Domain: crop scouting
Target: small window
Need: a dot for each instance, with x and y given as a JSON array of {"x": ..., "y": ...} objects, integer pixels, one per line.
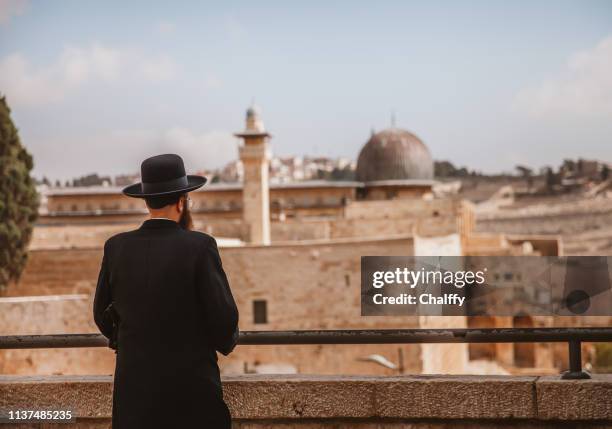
[{"x": 260, "y": 311}]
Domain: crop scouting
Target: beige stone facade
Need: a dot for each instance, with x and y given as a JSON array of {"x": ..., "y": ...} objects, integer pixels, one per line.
[
  {"x": 315, "y": 287},
  {"x": 292, "y": 254}
]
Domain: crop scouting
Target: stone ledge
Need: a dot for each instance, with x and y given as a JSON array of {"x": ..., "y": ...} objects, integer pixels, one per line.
[
  {"x": 456, "y": 397},
  {"x": 587, "y": 400},
  {"x": 269, "y": 397},
  {"x": 279, "y": 397},
  {"x": 87, "y": 396}
]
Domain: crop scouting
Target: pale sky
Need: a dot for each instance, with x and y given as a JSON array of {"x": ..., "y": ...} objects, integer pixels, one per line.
[{"x": 99, "y": 86}]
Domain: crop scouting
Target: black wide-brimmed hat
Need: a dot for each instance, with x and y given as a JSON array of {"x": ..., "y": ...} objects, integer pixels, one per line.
[{"x": 163, "y": 175}]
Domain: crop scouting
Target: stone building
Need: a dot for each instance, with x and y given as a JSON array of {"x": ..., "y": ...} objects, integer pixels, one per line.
[{"x": 292, "y": 254}]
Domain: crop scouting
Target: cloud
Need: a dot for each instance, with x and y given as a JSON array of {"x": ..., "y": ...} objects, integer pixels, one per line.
[
  {"x": 212, "y": 81},
  {"x": 76, "y": 65},
  {"x": 121, "y": 151},
  {"x": 584, "y": 87},
  {"x": 25, "y": 86},
  {"x": 159, "y": 69},
  {"x": 205, "y": 150},
  {"x": 29, "y": 85},
  {"x": 166, "y": 27},
  {"x": 12, "y": 8},
  {"x": 234, "y": 29},
  {"x": 200, "y": 149}
]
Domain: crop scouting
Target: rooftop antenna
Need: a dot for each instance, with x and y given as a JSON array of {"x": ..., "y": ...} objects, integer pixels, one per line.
[{"x": 392, "y": 118}]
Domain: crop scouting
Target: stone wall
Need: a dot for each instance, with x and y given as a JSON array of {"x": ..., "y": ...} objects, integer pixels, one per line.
[
  {"x": 328, "y": 270},
  {"x": 402, "y": 208},
  {"x": 584, "y": 225},
  {"x": 52, "y": 236},
  {"x": 58, "y": 272},
  {"x": 319, "y": 215},
  {"x": 53, "y": 314},
  {"x": 213, "y": 199},
  {"x": 360, "y": 219},
  {"x": 313, "y": 402}
]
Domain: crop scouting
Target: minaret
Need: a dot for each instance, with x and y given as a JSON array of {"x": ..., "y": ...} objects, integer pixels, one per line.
[{"x": 254, "y": 154}]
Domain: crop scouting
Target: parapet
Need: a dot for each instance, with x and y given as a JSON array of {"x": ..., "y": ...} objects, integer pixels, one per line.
[{"x": 303, "y": 401}]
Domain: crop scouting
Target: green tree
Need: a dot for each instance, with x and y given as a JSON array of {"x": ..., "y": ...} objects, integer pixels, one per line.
[{"x": 18, "y": 199}]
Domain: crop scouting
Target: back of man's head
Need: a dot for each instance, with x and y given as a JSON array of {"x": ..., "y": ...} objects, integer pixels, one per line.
[{"x": 161, "y": 201}]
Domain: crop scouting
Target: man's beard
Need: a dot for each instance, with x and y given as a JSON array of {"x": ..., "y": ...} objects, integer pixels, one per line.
[{"x": 185, "y": 221}]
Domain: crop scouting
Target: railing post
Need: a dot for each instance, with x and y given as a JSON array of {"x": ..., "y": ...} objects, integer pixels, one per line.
[{"x": 575, "y": 363}]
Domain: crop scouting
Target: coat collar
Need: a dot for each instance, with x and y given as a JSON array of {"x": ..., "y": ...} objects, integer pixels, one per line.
[{"x": 159, "y": 223}]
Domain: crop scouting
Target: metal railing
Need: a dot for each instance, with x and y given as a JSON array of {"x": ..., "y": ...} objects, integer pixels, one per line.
[{"x": 572, "y": 336}]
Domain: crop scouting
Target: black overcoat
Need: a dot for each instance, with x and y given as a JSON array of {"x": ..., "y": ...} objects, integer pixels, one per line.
[{"x": 175, "y": 310}]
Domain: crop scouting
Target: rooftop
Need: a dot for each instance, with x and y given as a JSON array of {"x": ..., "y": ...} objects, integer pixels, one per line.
[{"x": 218, "y": 187}]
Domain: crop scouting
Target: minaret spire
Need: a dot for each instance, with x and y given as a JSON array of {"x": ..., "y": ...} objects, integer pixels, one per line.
[{"x": 255, "y": 189}]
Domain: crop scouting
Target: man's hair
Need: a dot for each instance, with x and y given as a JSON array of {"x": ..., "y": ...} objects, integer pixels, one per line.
[{"x": 160, "y": 201}]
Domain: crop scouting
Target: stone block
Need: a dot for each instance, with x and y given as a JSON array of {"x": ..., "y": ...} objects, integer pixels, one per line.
[
  {"x": 576, "y": 399},
  {"x": 456, "y": 397},
  {"x": 279, "y": 397}
]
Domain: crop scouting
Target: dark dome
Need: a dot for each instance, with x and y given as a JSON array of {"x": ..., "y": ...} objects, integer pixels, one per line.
[{"x": 394, "y": 154}]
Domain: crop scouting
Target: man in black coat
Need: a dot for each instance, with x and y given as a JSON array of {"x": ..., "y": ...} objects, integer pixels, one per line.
[{"x": 164, "y": 302}]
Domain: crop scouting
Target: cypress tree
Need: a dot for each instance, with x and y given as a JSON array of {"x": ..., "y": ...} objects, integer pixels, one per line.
[{"x": 18, "y": 200}]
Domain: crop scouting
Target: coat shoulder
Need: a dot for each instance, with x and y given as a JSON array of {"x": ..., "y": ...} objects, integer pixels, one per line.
[
  {"x": 115, "y": 239},
  {"x": 200, "y": 238}
]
